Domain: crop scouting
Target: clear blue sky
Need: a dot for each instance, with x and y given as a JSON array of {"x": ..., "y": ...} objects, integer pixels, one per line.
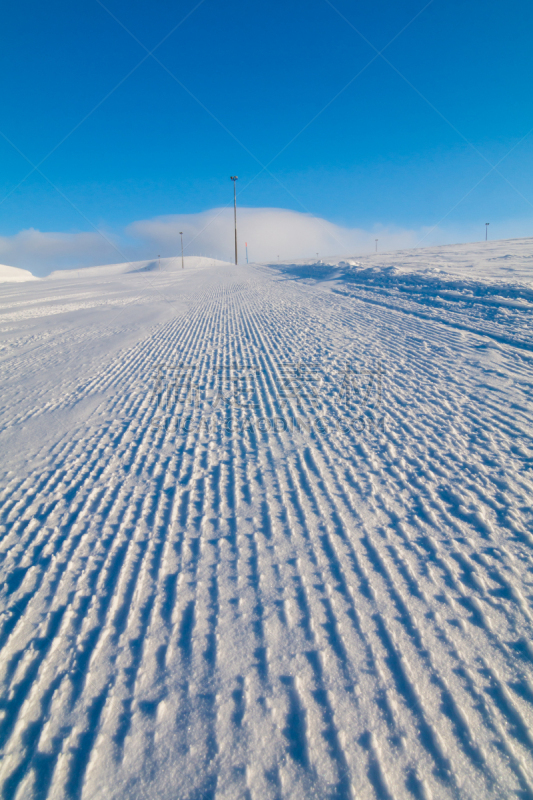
[{"x": 379, "y": 153}]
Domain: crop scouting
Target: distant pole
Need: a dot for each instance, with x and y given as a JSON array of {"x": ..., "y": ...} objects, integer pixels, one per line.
[
  {"x": 376, "y": 245},
  {"x": 246, "y": 245},
  {"x": 235, "y": 178},
  {"x": 181, "y": 234},
  {"x": 486, "y": 230},
  {"x": 159, "y": 257}
]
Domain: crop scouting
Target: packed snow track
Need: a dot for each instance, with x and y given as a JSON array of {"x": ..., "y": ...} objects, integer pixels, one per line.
[{"x": 265, "y": 536}]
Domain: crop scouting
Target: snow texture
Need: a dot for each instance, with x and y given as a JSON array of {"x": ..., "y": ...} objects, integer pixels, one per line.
[{"x": 266, "y": 531}]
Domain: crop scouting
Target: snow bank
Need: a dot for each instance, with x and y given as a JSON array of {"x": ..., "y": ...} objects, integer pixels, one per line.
[
  {"x": 15, "y": 275},
  {"x": 504, "y": 260}
]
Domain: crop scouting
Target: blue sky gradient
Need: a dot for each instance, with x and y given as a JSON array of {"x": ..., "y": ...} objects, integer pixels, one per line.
[{"x": 378, "y": 154}]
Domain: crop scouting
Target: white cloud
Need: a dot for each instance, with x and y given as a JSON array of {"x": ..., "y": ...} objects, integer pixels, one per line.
[
  {"x": 270, "y": 232},
  {"x": 43, "y": 252}
]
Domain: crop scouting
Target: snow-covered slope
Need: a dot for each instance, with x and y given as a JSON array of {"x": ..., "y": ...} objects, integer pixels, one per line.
[
  {"x": 483, "y": 288},
  {"x": 267, "y": 533},
  {"x": 158, "y": 265},
  {"x": 504, "y": 260},
  {"x": 15, "y": 275}
]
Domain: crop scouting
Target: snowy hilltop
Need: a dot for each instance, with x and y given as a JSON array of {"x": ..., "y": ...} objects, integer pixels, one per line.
[
  {"x": 15, "y": 275},
  {"x": 155, "y": 265}
]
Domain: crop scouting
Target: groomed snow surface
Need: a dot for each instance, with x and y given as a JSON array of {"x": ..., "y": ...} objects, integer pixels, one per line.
[{"x": 266, "y": 531}]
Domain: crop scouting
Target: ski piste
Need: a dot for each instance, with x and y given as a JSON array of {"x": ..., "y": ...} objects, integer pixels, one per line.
[{"x": 266, "y": 531}]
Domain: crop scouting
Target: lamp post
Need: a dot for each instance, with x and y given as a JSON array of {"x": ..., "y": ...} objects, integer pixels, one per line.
[
  {"x": 376, "y": 245},
  {"x": 181, "y": 234},
  {"x": 486, "y": 230},
  {"x": 235, "y": 178}
]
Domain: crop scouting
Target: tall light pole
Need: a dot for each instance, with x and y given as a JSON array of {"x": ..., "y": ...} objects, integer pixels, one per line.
[
  {"x": 486, "y": 230},
  {"x": 235, "y": 178},
  {"x": 376, "y": 245},
  {"x": 246, "y": 245},
  {"x": 181, "y": 234}
]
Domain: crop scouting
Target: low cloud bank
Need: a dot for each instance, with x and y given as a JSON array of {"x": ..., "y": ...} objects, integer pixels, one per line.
[
  {"x": 42, "y": 252},
  {"x": 270, "y": 232}
]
